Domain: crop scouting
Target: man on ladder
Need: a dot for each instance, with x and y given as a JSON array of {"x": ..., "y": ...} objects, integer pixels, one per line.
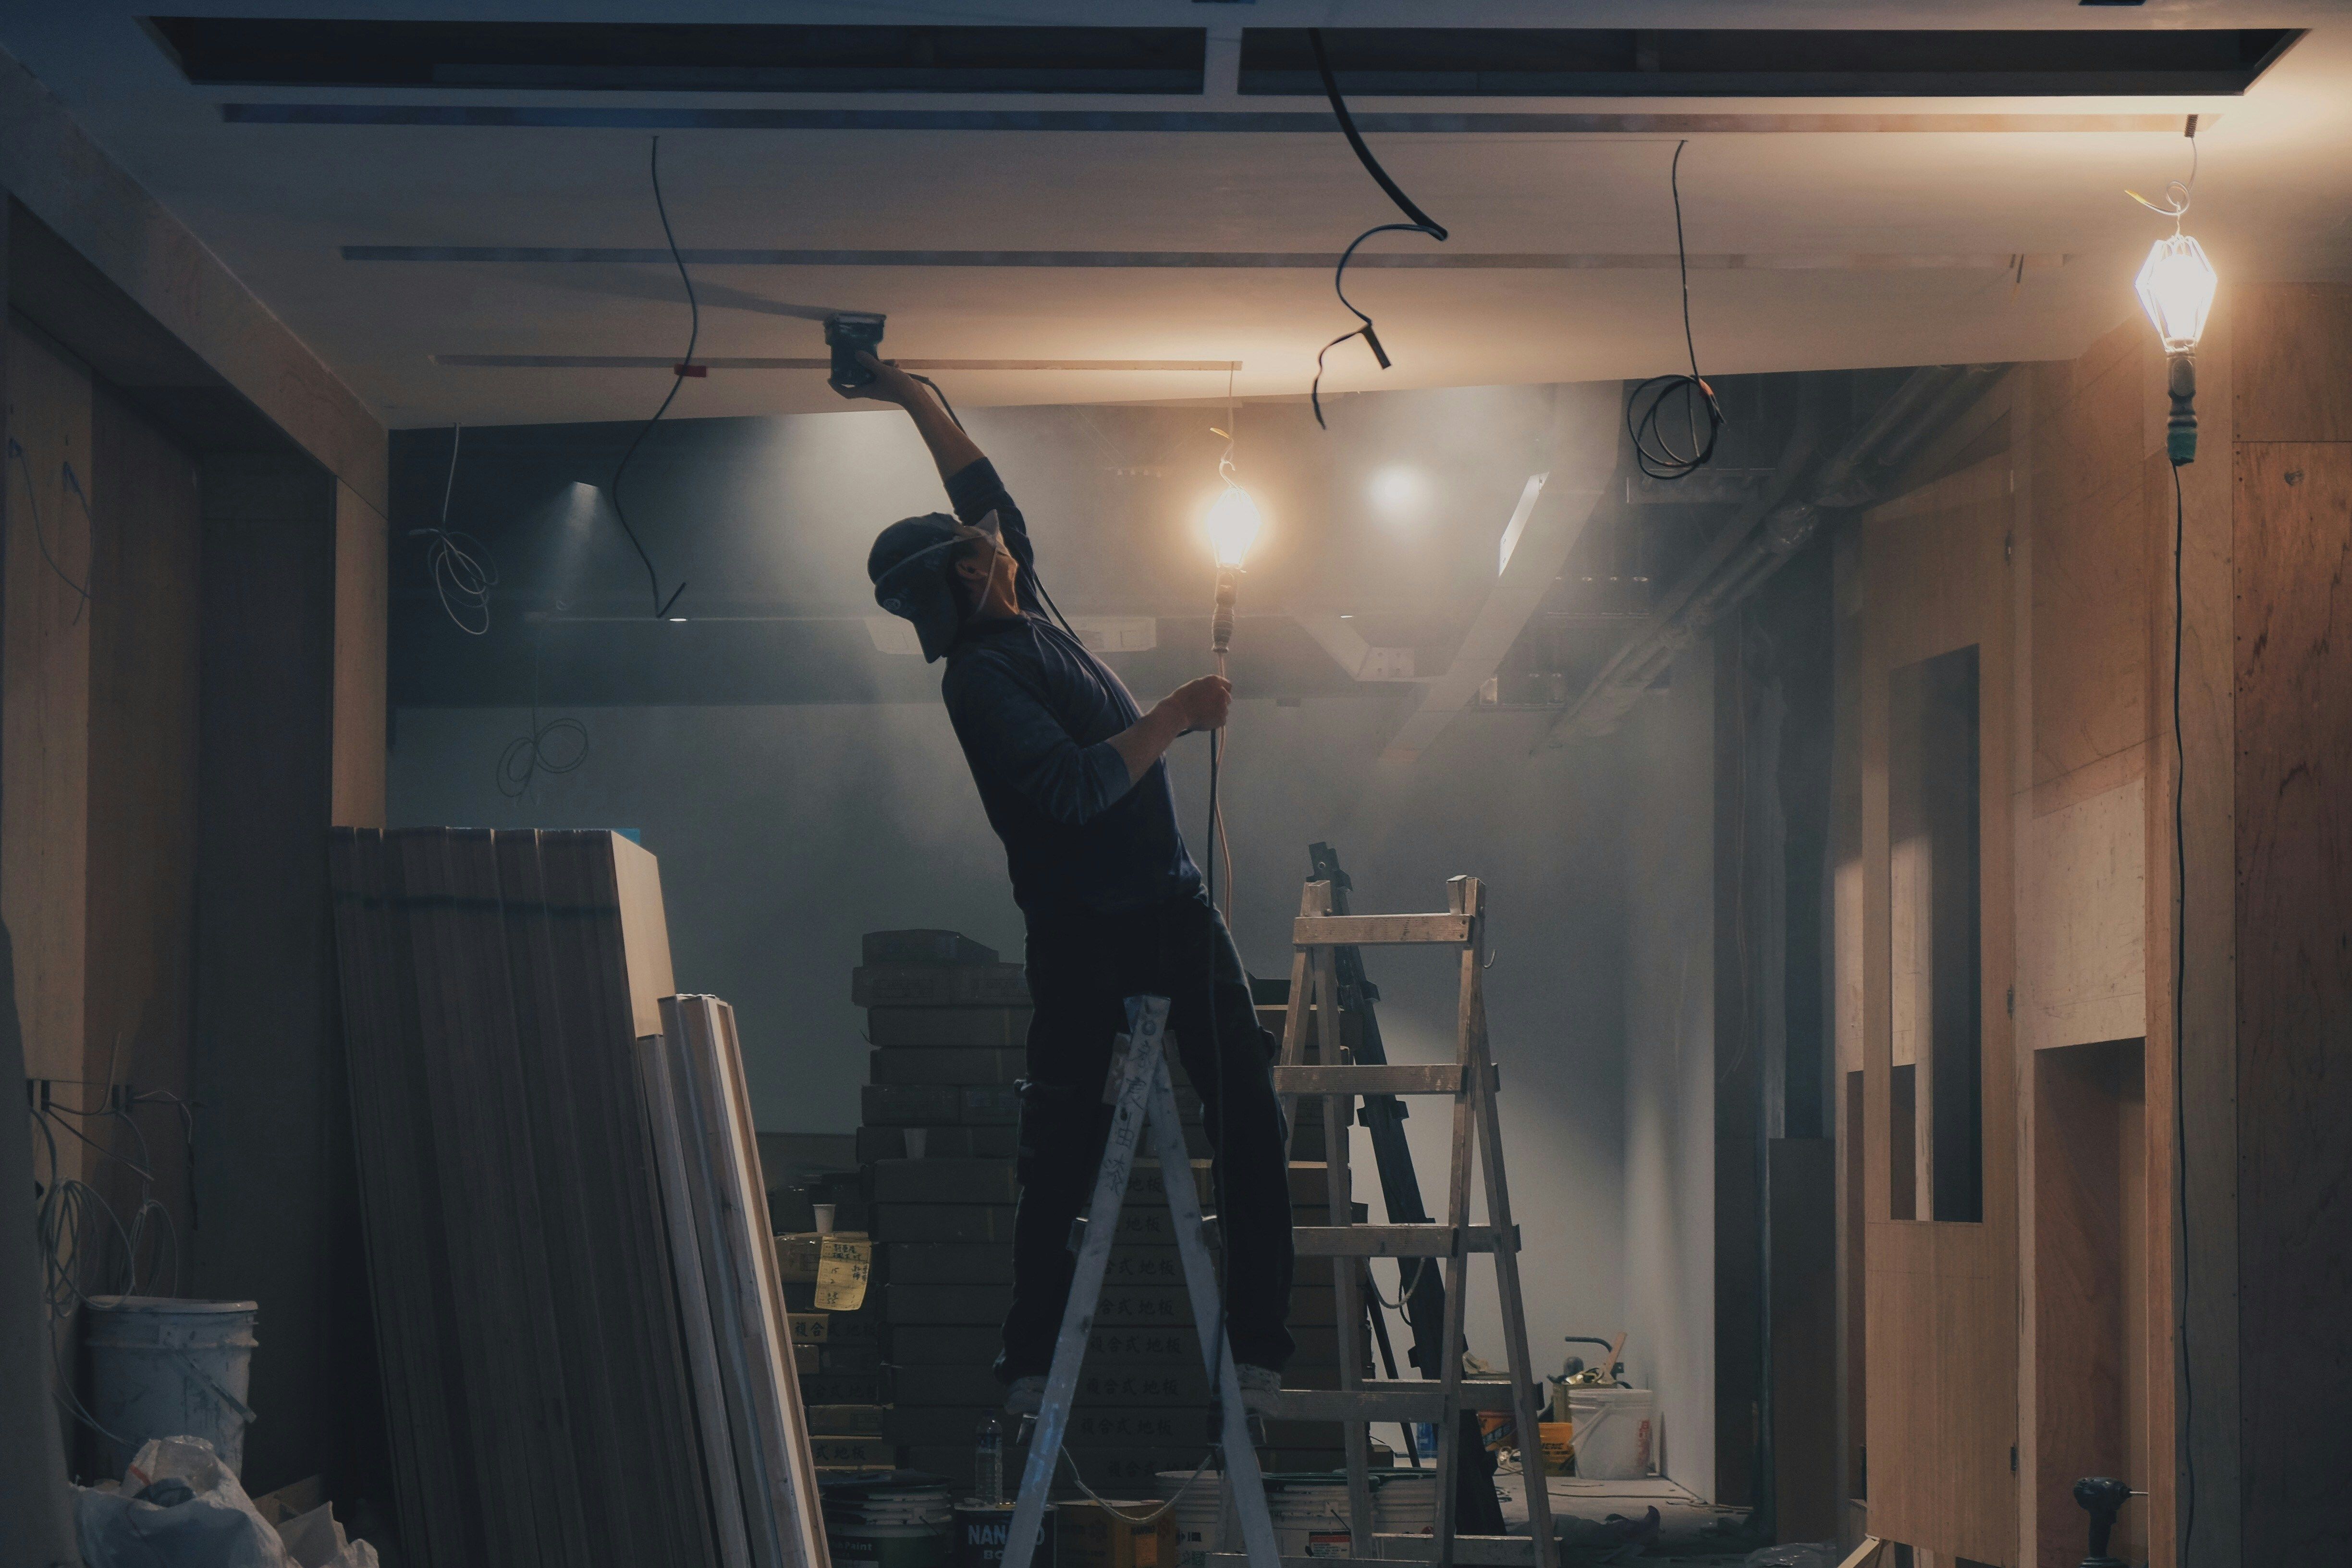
[{"x": 1071, "y": 772}]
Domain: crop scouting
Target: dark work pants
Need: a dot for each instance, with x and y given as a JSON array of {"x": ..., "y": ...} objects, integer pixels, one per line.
[{"x": 1081, "y": 972}]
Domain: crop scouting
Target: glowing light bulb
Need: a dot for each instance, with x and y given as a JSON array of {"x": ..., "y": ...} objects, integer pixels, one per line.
[
  {"x": 2176, "y": 287},
  {"x": 1234, "y": 522}
]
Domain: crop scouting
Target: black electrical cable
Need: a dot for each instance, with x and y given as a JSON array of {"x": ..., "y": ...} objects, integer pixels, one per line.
[
  {"x": 2180, "y": 1016},
  {"x": 1653, "y": 450},
  {"x": 463, "y": 570},
  {"x": 677, "y": 379},
  {"x": 1421, "y": 223},
  {"x": 1217, "y": 1347},
  {"x": 526, "y": 756},
  {"x": 1421, "y": 219}
]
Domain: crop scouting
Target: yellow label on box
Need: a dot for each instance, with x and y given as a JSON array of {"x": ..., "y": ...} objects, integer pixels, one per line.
[
  {"x": 842, "y": 1269},
  {"x": 810, "y": 1328}
]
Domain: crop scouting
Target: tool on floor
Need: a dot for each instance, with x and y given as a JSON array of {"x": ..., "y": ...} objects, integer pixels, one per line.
[
  {"x": 1471, "y": 1081},
  {"x": 2103, "y": 1496},
  {"x": 1146, "y": 1111}
]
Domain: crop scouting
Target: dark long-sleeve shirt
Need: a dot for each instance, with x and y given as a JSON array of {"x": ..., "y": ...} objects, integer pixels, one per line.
[{"x": 1036, "y": 712}]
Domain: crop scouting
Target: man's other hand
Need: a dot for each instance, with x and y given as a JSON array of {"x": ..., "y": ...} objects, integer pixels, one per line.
[
  {"x": 890, "y": 384},
  {"x": 1202, "y": 704}
]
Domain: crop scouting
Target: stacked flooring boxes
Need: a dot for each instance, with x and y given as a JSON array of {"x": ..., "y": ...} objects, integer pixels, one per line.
[
  {"x": 948, "y": 1023},
  {"x": 581, "y": 1348}
]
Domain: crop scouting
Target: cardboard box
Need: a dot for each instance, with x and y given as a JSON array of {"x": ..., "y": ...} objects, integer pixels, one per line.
[{"x": 1089, "y": 1535}]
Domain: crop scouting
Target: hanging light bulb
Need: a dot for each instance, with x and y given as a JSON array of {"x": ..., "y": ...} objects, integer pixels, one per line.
[
  {"x": 1234, "y": 522},
  {"x": 2176, "y": 286}
]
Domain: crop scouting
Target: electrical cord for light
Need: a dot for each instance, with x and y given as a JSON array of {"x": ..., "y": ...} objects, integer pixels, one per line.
[
  {"x": 33, "y": 507},
  {"x": 526, "y": 756},
  {"x": 1654, "y": 450},
  {"x": 1112, "y": 1509},
  {"x": 2176, "y": 192},
  {"x": 2179, "y": 981},
  {"x": 463, "y": 570},
  {"x": 677, "y": 379},
  {"x": 1419, "y": 222},
  {"x": 1035, "y": 580}
]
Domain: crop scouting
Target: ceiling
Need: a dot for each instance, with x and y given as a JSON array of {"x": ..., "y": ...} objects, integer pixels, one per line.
[{"x": 1816, "y": 241}]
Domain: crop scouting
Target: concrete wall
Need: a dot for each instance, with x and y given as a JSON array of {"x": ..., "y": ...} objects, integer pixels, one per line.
[{"x": 1669, "y": 981}]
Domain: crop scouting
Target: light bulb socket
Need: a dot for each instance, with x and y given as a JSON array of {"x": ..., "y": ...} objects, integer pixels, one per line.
[
  {"x": 1220, "y": 625},
  {"x": 2180, "y": 429}
]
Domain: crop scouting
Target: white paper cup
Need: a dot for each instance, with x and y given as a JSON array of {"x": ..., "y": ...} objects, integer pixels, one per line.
[{"x": 823, "y": 1217}]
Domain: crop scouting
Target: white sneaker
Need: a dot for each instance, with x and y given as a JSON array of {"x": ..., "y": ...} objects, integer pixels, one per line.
[
  {"x": 1026, "y": 1396},
  {"x": 1256, "y": 1383}
]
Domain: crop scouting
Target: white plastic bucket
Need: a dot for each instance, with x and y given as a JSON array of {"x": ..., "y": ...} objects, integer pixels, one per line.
[
  {"x": 166, "y": 1368},
  {"x": 1309, "y": 1514},
  {"x": 1615, "y": 1429},
  {"x": 1195, "y": 1514},
  {"x": 1404, "y": 1501}
]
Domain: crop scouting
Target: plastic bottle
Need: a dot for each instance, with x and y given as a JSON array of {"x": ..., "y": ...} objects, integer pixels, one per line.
[{"x": 988, "y": 1461}]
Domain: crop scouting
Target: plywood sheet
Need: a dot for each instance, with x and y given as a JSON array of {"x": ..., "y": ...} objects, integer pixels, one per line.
[
  {"x": 2082, "y": 952},
  {"x": 44, "y": 700},
  {"x": 2293, "y": 557},
  {"x": 2288, "y": 382},
  {"x": 2090, "y": 587},
  {"x": 363, "y": 606}
]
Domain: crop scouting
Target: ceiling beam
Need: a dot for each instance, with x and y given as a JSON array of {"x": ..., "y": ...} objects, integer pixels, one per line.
[
  {"x": 53, "y": 167},
  {"x": 1550, "y": 519}
]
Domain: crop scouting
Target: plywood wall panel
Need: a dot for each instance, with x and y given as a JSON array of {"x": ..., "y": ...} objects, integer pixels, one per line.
[
  {"x": 2290, "y": 384},
  {"x": 143, "y": 697},
  {"x": 2090, "y": 577},
  {"x": 2293, "y": 563},
  {"x": 363, "y": 608},
  {"x": 2082, "y": 959},
  {"x": 45, "y": 700}
]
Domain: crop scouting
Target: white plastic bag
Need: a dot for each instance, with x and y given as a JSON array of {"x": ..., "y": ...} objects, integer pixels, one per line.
[{"x": 180, "y": 1507}]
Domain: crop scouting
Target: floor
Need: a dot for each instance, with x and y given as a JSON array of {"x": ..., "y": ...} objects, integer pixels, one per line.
[{"x": 1598, "y": 1521}]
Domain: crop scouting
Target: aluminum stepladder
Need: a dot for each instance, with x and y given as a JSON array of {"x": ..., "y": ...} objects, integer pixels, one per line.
[
  {"x": 1146, "y": 1112},
  {"x": 1471, "y": 1083}
]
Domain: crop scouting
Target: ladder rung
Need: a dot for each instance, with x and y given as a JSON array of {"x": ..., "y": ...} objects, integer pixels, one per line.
[
  {"x": 1395, "y": 1078},
  {"x": 1469, "y": 1551},
  {"x": 1380, "y": 930},
  {"x": 1472, "y": 1551},
  {"x": 1477, "y": 1393},
  {"x": 1394, "y": 1240},
  {"x": 1398, "y": 1401}
]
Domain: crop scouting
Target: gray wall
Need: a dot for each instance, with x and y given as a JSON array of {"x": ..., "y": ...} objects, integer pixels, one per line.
[{"x": 1669, "y": 1064}]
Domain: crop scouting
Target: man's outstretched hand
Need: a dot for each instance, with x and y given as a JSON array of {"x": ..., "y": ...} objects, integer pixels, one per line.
[
  {"x": 1201, "y": 704},
  {"x": 890, "y": 384}
]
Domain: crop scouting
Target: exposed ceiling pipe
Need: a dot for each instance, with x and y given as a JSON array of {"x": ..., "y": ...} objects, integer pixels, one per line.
[{"x": 1771, "y": 532}]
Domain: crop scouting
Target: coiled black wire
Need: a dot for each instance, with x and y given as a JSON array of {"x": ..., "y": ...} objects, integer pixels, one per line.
[{"x": 1654, "y": 449}]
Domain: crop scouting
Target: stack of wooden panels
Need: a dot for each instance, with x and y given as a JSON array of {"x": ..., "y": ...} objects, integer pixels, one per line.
[
  {"x": 949, "y": 1024},
  {"x": 535, "y": 1359},
  {"x": 759, "y": 1471}
]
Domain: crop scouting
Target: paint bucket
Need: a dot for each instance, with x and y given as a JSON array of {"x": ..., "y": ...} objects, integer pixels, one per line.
[
  {"x": 888, "y": 1545},
  {"x": 1615, "y": 1429},
  {"x": 1310, "y": 1510},
  {"x": 1195, "y": 1514},
  {"x": 166, "y": 1368},
  {"x": 1404, "y": 1501}
]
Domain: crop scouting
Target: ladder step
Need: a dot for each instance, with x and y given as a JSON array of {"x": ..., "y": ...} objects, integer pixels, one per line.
[
  {"x": 1394, "y": 1077},
  {"x": 1396, "y": 1240},
  {"x": 1380, "y": 930},
  {"x": 1471, "y": 1550},
  {"x": 1404, "y": 1402},
  {"x": 1380, "y": 1399}
]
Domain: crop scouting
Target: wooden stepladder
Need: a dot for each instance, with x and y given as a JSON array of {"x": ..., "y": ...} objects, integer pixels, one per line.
[{"x": 1471, "y": 1083}]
